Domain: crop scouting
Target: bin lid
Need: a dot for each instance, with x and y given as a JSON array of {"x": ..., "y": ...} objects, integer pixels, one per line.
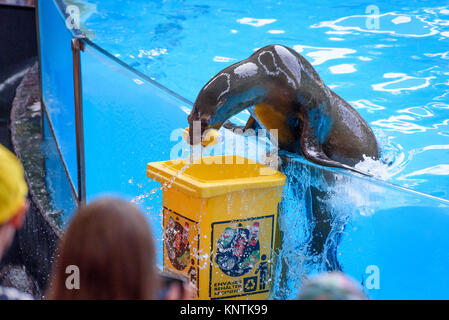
[{"x": 215, "y": 175}]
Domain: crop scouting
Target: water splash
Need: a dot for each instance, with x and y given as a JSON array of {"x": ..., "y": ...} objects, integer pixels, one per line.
[{"x": 165, "y": 186}]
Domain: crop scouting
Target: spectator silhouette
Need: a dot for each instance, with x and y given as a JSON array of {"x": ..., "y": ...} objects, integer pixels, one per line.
[
  {"x": 110, "y": 244},
  {"x": 109, "y": 247}
]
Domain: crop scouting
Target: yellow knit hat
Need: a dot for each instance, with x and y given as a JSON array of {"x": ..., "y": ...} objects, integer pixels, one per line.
[{"x": 13, "y": 188}]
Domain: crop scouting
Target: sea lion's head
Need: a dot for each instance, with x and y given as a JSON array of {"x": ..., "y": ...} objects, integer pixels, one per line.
[
  {"x": 208, "y": 109},
  {"x": 220, "y": 99}
]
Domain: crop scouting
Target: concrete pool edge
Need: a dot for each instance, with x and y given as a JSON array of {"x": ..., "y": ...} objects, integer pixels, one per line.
[{"x": 40, "y": 232}]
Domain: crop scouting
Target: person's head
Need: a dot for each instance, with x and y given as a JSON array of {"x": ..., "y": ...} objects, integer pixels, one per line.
[
  {"x": 13, "y": 193},
  {"x": 110, "y": 243},
  {"x": 331, "y": 286}
]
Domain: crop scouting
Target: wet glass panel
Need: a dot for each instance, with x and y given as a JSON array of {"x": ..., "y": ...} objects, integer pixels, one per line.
[
  {"x": 62, "y": 198},
  {"x": 391, "y": 240},
  {"x": 128, "y": 122},
  {"x": 57, "y": 82}
]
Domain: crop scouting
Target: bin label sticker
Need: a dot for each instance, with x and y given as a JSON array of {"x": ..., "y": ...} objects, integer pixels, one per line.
[
  {"x": 181, "y": 245},
  {"x": 240, "y": 257}
]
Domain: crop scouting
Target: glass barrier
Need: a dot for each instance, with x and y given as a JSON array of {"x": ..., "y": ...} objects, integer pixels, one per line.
[
  {"x": 130, "y": 121},
  {"x": 127, "y": 123},
  {"x": 61, "y": 195},
  {"x": 373, "y": 231},
  {"x": 392, "y": 240},
  {"x": 57, "y": 82}
]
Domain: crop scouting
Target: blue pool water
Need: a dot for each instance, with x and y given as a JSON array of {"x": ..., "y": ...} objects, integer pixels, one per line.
[{"x": 396, "y": 76}]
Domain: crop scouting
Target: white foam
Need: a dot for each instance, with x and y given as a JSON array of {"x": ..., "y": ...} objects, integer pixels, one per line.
[{"x": 377, "y": 168}]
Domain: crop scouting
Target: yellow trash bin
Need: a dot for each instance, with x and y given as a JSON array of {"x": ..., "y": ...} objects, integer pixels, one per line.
[{"x": 219, "y": 221}]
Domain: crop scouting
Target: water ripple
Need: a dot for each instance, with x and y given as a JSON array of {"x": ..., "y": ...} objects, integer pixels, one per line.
[
  {"x": 397, "y": 26},
  {"x": 323, "y": 54},
  {"x": 414, "y": 83}
]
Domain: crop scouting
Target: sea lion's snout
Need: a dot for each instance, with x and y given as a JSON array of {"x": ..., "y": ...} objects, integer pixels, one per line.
[
  {"x": 197, "y": 126},
  {"x": 208, "y": 137}
]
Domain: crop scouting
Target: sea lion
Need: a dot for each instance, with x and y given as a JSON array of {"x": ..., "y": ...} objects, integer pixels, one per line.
[
  {"x": 311, "y": 120},
  {"x": 290, "y": 96}
]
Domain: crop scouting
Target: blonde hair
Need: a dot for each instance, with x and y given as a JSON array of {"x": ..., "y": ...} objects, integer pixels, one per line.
[{"x": 13, "y": 188}]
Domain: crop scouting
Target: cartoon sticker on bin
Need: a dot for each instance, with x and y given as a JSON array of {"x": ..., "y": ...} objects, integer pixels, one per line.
[
  {"x": 238, "y": 250},
  {"x": 178, "y": 249},
  {"x": 240, "y": 263},
  {"x": 180, "y": 243}
]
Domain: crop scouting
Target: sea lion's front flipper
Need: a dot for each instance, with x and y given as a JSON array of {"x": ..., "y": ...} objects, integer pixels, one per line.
[
  {"x": 233, "y": 127},
  {"x": 250, "y": 124},
  {"x": 312, "y": 151}
]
